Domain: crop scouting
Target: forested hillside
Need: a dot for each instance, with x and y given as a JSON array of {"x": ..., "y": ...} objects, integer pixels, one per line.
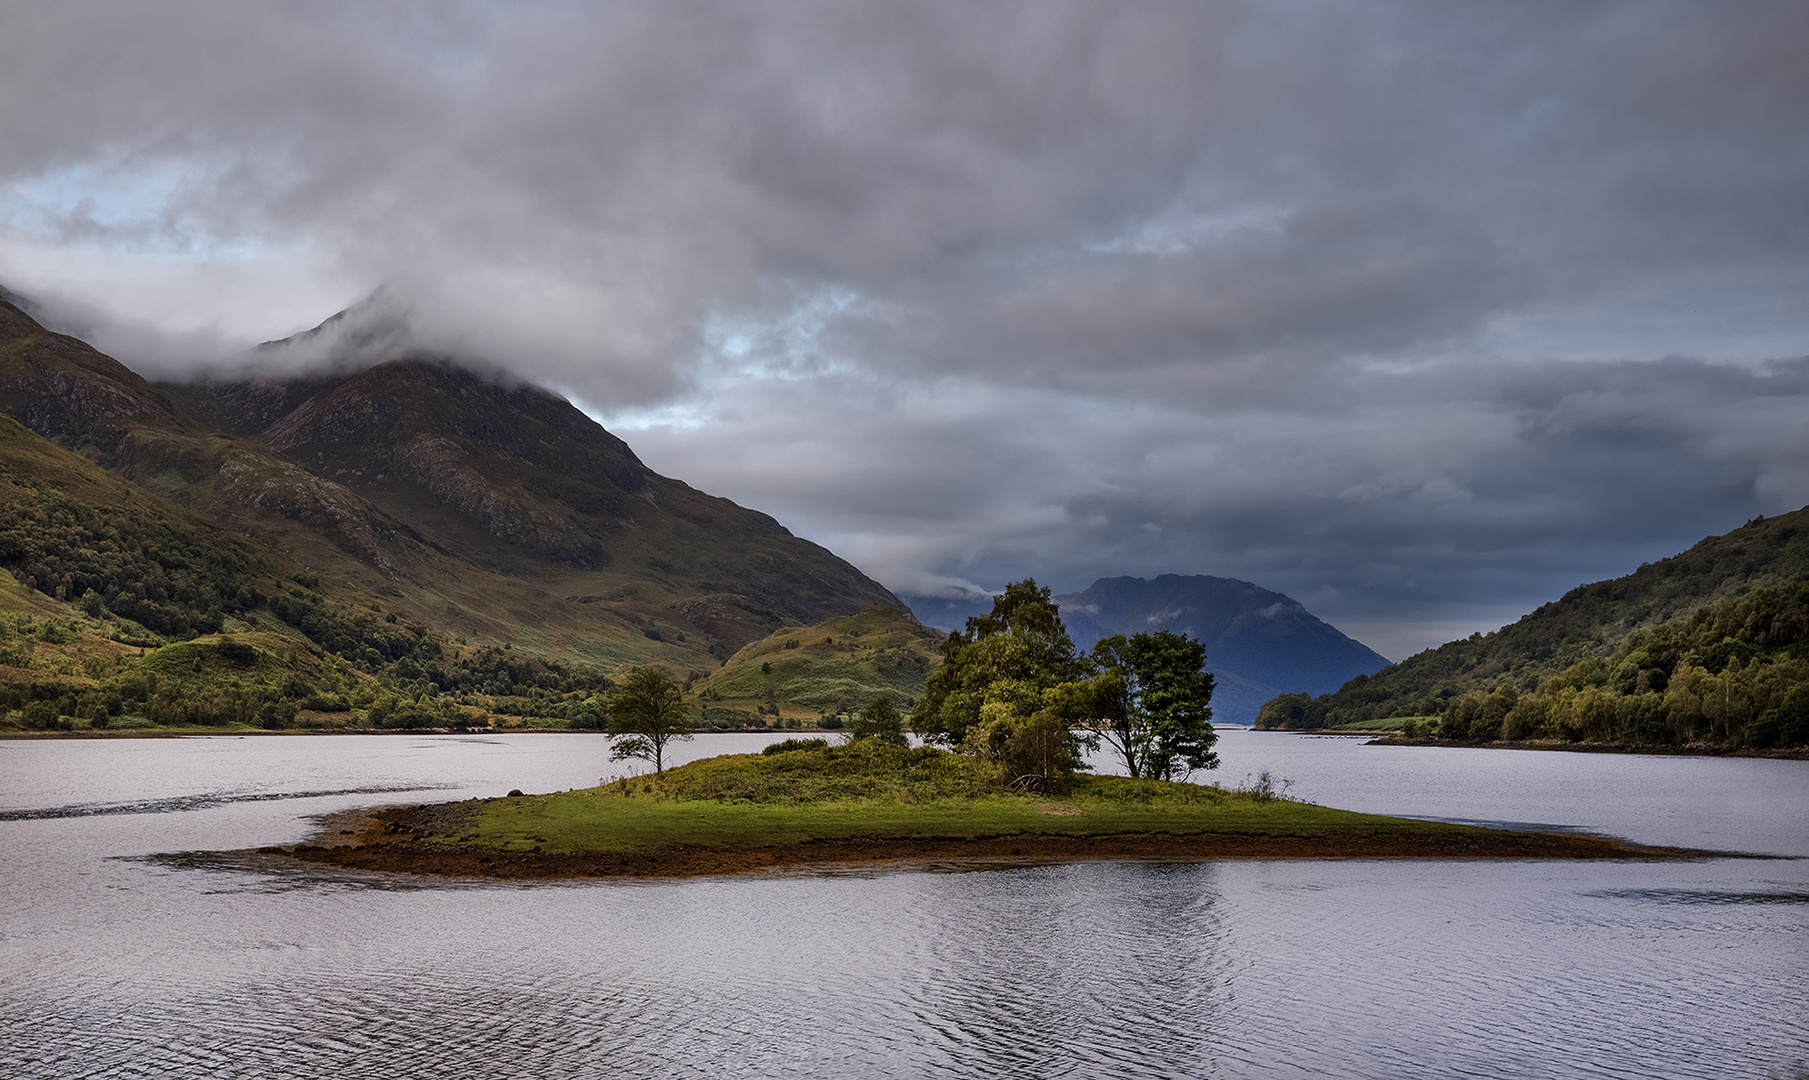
[{"x": 1710, "y": 646}]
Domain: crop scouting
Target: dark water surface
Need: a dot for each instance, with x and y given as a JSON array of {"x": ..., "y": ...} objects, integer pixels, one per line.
[{"x": 128, "y": 949}]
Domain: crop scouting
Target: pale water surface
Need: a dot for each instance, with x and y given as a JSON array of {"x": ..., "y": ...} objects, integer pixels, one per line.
[{"x": 128, "y": 949}]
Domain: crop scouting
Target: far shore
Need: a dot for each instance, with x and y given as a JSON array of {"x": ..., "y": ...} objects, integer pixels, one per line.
[
  {"x": 240, "y": 732},
  {"x": 1792, "y": 753}
]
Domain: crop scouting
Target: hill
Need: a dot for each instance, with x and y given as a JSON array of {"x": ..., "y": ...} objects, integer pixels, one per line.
[
  {"x": 800, "y": 675},
  {"x": 119, "y": 609},
  {"x": 1258, "y": 643},
  {"x": 479, "y": 510},
  {"x": 1711, "y": 645}
]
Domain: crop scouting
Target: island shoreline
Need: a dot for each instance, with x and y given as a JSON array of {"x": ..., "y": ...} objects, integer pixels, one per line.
[{"x": 400, "y": 839}]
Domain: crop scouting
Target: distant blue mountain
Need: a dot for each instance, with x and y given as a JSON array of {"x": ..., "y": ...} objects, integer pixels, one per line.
[{"x": 1258, "y": 643}]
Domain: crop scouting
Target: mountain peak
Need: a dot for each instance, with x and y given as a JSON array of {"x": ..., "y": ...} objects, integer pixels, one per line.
[
  {"x": 1258, "y": 641},
  {"x": 514, "y": 478},
  {"x": 376, "y": 328}
]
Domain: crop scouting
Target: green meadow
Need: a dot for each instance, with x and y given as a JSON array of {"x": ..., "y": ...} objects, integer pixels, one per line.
[{"x": 870, "y": 791}]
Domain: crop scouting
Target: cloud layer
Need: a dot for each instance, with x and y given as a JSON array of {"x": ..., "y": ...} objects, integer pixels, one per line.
[{"x": 1419, "y": 312}]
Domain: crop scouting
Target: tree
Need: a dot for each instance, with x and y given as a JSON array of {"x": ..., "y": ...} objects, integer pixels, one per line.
[
  {"x": 880, "y": 719},
  {"x": 1150, "y": 699},
  {"x": 645, "y": 714},
  {"x": 994, "y": 674}
]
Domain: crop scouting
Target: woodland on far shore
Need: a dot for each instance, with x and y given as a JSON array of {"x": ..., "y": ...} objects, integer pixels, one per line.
[{"x": 1706, "y": 649}]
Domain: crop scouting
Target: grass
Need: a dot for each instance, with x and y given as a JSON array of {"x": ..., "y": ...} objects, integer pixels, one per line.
[
  {"x": 830, "y": 669},
  {"x": 1385, "y": 723},
  {"x": 869, "y": 792}
]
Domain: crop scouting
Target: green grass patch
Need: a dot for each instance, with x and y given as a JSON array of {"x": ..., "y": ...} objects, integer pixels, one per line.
[
  {"x": 868, "y": 791},
  {"x": 1386, "y": 723}
]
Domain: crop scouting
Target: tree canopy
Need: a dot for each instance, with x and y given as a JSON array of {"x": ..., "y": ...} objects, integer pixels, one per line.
[
  {"x": 880, "y": 719},
  {"x": 994, "y": 675},
  {"x": 1150, "y": 699},
  {"x": 1014, "y": 691},
  {"x": 645, "y": 713}
]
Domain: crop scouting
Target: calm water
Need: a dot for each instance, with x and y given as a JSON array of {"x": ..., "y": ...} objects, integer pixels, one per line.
[{"x": 126, "y": 949}]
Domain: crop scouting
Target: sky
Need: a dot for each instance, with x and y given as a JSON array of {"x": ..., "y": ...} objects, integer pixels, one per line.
[{"x": 1422, "y": 313}]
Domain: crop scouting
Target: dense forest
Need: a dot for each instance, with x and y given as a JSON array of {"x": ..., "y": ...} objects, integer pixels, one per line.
[{"x": 1711, "y": 646}]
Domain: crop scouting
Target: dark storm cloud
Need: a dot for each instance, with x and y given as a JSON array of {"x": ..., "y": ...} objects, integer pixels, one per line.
[{"x": 1371, "y": 303}]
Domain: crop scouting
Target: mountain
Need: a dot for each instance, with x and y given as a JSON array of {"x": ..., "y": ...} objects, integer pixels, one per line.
[
  {"x": 121, "y": 610},
  {"x": 1709, "y": 645},
  {"x": 518, "y": 481},
  {"x": 476, "y": 508},
  {"x": 1258, "y": 643}
]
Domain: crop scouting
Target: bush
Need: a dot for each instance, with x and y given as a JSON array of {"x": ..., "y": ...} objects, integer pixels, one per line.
[
  {"x": 789, "y": 745},
  {"x": 1040, "y": 755},
  {"x": 880, "y": 719}
]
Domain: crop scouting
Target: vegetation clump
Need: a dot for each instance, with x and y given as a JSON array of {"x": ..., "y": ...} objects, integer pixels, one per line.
[
  {"x": 1013, "y": 692},
  {"x": 647, "y": 713}
]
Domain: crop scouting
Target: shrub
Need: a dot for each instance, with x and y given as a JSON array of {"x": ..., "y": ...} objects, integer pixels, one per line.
[{"x": 789, "y": 745}]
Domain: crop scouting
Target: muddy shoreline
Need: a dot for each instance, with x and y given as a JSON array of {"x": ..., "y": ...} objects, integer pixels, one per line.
[{"x": 402, "y": 839}]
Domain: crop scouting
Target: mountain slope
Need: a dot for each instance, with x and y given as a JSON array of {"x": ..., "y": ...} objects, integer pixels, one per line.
[
  {"x": 516, "y": 480},
  {"x": 63, "y": 389},
  {"x": 493, "y": 512},
  {"x": 1258, "y": 643},
  {"x": 1733, "y": 608}
]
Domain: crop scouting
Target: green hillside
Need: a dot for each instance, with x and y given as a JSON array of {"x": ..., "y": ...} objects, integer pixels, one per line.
[
  {"x": 495, "y": 491},
  {"x": 493, "y": 514},
  {"x": 800, "y": 675},
  {"x": 1709, "y": 646},
  {"x": 120, "y": 609}
]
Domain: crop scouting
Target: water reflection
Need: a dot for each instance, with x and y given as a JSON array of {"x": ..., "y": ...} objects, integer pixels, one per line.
[
  {"x": 1060, "y": 971},
  {"x": 132, "y": 947}
]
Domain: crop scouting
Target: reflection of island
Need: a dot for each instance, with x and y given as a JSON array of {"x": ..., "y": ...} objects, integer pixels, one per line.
[{"x": 869, "y": 803}]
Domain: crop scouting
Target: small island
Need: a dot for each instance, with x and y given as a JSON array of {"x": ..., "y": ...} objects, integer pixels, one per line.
[
  {"x": 808, "y": 804},
  {"x": 1006, "y": 718}
]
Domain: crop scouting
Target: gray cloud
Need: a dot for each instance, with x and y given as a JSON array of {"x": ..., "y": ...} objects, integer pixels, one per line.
[{"x": 1381, "y": 305}]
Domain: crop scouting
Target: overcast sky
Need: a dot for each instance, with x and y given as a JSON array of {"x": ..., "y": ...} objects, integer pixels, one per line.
[{"x": 1422, "y": 313}]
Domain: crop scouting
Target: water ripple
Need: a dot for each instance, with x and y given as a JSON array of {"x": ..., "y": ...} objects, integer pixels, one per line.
[
  {"x": 1701, "y": 896},
  {"x": 201, "y": 801}
]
